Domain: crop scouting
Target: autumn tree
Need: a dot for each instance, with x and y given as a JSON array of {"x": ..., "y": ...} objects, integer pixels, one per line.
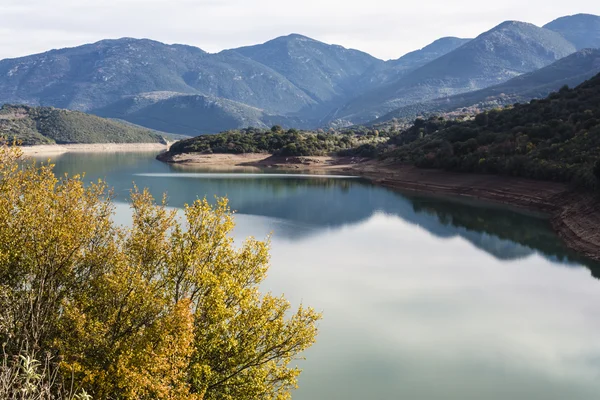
[{"x": 167, "y": 308}]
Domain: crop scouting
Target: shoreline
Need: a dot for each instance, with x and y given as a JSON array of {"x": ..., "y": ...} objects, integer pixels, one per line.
[
  {"x": 44, "y": 149},
  {"x": 574, "y": 216}
]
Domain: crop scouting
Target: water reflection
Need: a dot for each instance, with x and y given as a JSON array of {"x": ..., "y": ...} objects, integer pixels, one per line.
[
  {"x": 423, "y": 298},
  {"x": 310, "y": 203}
]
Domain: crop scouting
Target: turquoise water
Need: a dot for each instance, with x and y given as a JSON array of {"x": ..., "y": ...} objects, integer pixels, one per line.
[{"x": 423, "y": 298}]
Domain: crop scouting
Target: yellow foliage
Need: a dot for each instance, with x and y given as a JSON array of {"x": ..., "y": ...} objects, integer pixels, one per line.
[{"x": 169, "y": 308}]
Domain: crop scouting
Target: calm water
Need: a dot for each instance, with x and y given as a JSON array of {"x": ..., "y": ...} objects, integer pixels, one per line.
[{"x": 423, "y": 298}]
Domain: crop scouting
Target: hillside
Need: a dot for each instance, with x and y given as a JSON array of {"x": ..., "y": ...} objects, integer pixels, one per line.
[
  {"x": 47, "y": 125},
  {"x": 583, "y": 30},
  {"x": 557, "y": 138},
  {"x": 392, "y": 70},
  {"x": 184, "y": 114},
  {"x": 508, "y": 50},
  {"x": 571, "y": 71},
  {"x": 325, "y": 72}
]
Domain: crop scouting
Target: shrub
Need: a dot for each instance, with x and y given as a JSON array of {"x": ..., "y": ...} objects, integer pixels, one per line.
[{"x": 160, "y": 310}]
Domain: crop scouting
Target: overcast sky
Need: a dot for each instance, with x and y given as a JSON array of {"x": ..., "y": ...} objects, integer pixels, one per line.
[{"x": 384, "y": 28}]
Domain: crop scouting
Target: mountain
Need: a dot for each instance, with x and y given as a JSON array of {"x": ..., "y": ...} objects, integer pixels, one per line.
[
  {"x": 508, "y": 50},
  {"x": 571, "y": 71},
  {"x": 47, "y": 125},
  {"x": 183, "y": 113},
  {"x": 325, "y": 72},
  {"x": 291, "y": 80},
  {"x": 418, "y": 58},
  {"x": 583, "y": 30},
  {"x": 95, "y": 75},
  {"x": 382, "y": 73}
]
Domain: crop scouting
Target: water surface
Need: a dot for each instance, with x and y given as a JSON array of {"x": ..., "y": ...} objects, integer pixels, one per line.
[{"x": 423, "y": 298}]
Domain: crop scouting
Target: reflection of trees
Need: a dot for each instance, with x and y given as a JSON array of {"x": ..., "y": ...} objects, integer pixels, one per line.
[
  {"x": 321, "y": 203},
  {"x": 528, "y": 231}
]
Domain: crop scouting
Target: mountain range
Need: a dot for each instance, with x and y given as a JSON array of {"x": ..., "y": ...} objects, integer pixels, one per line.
[
  {"x": 570, "y": 71},
  {"x": 294, "y": 80}
]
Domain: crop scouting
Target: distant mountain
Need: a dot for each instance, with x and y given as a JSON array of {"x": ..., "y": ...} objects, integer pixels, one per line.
[
  {"x": 418, "y": 58},
  {"x": 291, "y": 80},
  {"x": 382, "y": 73},
  {"x": 47, "y": 125},
  {"x": 183, "y": 113},
  {"x": 94, "y": 75},
  {"x": 571, "y": 71},
  {"x": 325, "y": 72},
  {"x": 508, "y": 50},
  {"x": 583, "y": 30}
]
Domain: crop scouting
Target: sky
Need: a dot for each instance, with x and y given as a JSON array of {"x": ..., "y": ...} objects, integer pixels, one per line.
[{"x": 387, "y": 29}]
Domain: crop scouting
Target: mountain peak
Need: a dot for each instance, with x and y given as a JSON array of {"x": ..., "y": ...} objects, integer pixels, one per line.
[
  {"x": 292, "y": 37},
  {"x": 512, "y": 24},
  {"x": 143, "y": 41},
  {"x": 583, "y": 30},
  {"x": 297, "y": 36}
]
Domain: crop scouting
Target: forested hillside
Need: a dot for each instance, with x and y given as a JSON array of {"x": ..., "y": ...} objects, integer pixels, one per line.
[
  {"x": 47, "y": 125},
  {"x": 556, "y": 138}
]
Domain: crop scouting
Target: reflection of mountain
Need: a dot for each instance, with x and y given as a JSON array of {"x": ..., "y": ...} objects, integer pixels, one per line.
[
  {"x": 307, "y": 205},
  {"x": 503, "y": 233}
]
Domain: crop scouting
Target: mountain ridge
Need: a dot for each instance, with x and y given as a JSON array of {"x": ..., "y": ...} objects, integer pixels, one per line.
[
  {"x": 583, "y": 30},
  {"x": 571, "y": 71},
  {"x": 289, "y": 79},
  {"x": 505, "y": 51}
]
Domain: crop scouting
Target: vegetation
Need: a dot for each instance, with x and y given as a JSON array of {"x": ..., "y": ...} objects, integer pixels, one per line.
[
  {"x": 47, "y": 125},
  {"x": 168, "y": 308},
  {"x": 557, "y": 138},
  {"x": 275, "y": 141}
]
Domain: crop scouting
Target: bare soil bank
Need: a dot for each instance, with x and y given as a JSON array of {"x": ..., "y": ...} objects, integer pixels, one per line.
[
  {"x": 574, "y": 216},
  {"x": 92, "y": 148}
]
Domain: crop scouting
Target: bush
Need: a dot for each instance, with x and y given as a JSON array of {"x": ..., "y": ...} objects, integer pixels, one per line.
[{"x": 160, "y": 310}]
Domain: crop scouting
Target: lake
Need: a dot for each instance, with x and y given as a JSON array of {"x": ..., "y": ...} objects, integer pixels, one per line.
[{"x": 422, "y": 297}]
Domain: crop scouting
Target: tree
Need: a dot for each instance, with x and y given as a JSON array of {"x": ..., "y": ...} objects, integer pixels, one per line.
[
  {"x": 482, "y": 119},
  {"x": 169, "y": 308},
  {"x": 597, "y": 170}
]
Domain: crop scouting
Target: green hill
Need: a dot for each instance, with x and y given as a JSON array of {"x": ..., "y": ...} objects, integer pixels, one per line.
[
  {"x": 557, "y": 138},
  {"x": 47, "y": 125}
]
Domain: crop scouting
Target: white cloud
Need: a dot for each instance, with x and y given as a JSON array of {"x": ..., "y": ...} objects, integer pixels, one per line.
[{"x": 384, "y": 28}]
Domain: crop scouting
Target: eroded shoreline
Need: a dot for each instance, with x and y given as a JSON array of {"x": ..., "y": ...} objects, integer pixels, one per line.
[
  {"x": 49, "y": 149},
  {"x": 575, "y": 217}
]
